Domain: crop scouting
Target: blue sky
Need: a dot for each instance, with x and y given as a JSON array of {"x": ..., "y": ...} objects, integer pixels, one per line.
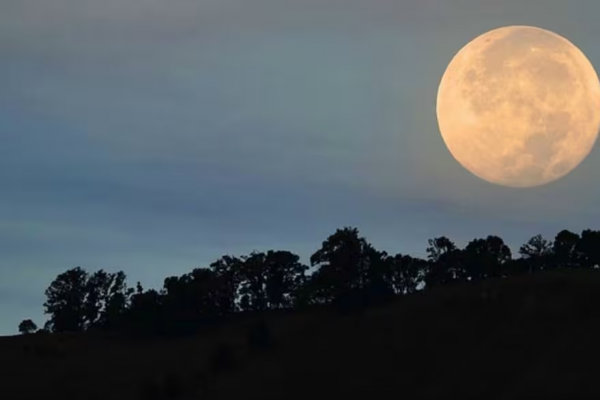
[{"x": 154, "y": 136}]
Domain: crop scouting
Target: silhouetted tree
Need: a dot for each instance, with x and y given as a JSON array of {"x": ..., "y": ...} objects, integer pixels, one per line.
[
  {"x": 47, "y": 327},
  {"x": 178, "y": 307},
  {"x": 485, "y": 258},
  {"x": 78, "y": 301},
  {"x": 227, "y": 270},
  {"x": 212, "y": 295},
  {"x": 253, "y": 283},
  {"x": 439, "y": 247},
  {"x": 344, "y": 263},
  {"x": 269, "y": 280},
  {"x": 407, "y": 273},
  {"x": 537, "y": 253},
  {"x": 66, "y": 301},
  {"x": 116, "y": 302},
  {"x": 378, "y": 276},
  {"x": 565, "y": 251},
  {"x": 285, "y": 274},
  {"x": 308, "y": 293},
  {"x": 96, "y": 290},
  {"x": 185, "y": 300},
  {"x": 195, "y": 299},
  {"x": 145, "y": 313},
  {"x": 27, "y": 326},
  {"x": 588, "y": 249},
  {"x": 446, "y": 263},
  {"x": 349, "y": 273},
  {"x": 107, "y": 298}
]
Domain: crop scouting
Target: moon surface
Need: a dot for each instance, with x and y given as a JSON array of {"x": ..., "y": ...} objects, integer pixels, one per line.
[{"x": 519, "y": 106}]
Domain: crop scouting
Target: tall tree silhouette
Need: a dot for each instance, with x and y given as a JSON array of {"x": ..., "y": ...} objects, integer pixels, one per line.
[
  {"x": 116, "y": 300},
  {"x": 78, "y": 301},
  {"x": 565, "y": 250},
  {"x": 253, "y": 282},
  {"x": 179, "y": 302},
  {"x": 338, "y": 265},
  {"x": 346, "y": 264},
  {"x": 145, "y": 314},
  {"x": 107, "y": 298},
  {"x": 96, "y": 289},
  {"x": 66, "y": 301},
  {"x": 537, "y": 253},
  {"x": 193, "y": 299},
  {"x": 227, "y": 269},
  {"x": 439, "y": 247},
  {"x": 446, "y": 262},
  {"x": 407, "y": 273},
  {"x": 284, "y": 275},
  {"x": 269, "y": 280},
  {"x": 348, "y": 271},
  {"x": 486, "y": 258},
  {"x": 377, "y": 276},
  {"x": 588, "y": 249}
]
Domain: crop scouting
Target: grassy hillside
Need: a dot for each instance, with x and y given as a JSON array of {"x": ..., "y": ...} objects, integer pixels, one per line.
[{"x": 532, "y": 337}]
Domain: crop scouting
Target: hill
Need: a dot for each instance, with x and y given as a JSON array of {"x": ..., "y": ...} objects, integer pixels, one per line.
[{"x": 524, "y": 337}]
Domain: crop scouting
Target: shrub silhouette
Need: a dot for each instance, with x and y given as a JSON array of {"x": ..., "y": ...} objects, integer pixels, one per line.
[{"x": 27, "y": 326}]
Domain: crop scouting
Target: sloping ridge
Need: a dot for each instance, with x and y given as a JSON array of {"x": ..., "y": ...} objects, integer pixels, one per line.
[
  {"x": 536, "y": 337},
  {"x": 527, "y": 337}
]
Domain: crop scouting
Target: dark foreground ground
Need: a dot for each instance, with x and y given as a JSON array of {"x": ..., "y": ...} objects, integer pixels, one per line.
[{"x": 538, "y": 338}]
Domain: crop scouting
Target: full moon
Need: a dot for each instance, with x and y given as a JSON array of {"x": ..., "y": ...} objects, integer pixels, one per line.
[{"x": 519, "y": 106}]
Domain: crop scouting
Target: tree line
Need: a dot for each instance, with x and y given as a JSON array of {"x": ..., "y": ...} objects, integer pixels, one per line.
[{"x": 346, "y": 272}]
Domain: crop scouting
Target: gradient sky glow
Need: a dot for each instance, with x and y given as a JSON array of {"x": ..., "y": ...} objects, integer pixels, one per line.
[{"x": 154, "y": 136}]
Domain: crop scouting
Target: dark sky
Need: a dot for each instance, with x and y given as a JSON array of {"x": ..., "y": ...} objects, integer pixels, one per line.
[{"x": 154, "y": 136}]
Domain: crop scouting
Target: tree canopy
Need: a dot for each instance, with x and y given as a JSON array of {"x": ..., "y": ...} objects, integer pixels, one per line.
[{"x": 347, "y": 271}]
